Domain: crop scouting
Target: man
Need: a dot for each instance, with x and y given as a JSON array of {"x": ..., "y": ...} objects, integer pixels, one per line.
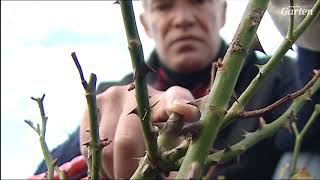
[
  {"x": 308, "y": 51},
  {"x": 186, "y": 34}
]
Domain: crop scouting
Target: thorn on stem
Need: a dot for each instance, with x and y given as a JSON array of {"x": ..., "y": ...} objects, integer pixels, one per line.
[
  {"x": 260, "y": 75},
  {"x": 256, "y": 45},
  {"x": 234, "y": 95},
  {"x": 193, "y": 171},
  {"x": 38, "y": 129},
  {"x": 258, "y": 66},
  {"x": 86, "y": 144},
  {"x": 308, "y": 99},
  {"x": 137, "y": 158},
  {"x": 104, "y": 142},
  {"x": 134, "y": 111},
  {"x": 262, "y": 123},
  {"x": 213, "y": 74},
  {"x": 54, "y": 162},
  {"x": 105, "y": 139},
  {"x": 219, "y": 64},
  {"x": 192, "y": 130},
  {"x": 227, "y": 149},
  {"x": 288, "y": 127},
  {"x": 154, "y": 105},
  {"x": 199, "y": 103},
  {"x": 213, "y": 150},
  {"x": 131, "y": 87},
  {"x": 291, "y": 48},
  {"x": 149, "y": 69},
  {"x": 145, "y": 114}
]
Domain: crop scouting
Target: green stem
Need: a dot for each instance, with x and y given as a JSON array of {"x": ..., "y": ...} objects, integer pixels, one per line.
[
  {"x": 176, "y": 153},
  {"x": 222, "y": 89},
  {"x": 300, "y": 137},
  {"x": 42, "y": 134},
  {"x": 89, "y": 163},
  {"x": 144, "y": 170},
  {"x": 166, "y": 140},
  {"x": 140, "y": 70},
  {"x": 95, "y": 146},
  {"x": 169, "y": 135},
  {"x": 307, "y": 21},
  {"x": 286, "y": 44},
  {"x": 291, "y": 21},
  {"x": 46, "y": 153}
]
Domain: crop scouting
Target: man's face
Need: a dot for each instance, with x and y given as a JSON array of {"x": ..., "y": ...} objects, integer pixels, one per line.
[{"x": 186, "y": 32}]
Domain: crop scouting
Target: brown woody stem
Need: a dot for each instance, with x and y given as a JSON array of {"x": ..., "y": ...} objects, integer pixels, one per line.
[{"x": 259, "y": 112}]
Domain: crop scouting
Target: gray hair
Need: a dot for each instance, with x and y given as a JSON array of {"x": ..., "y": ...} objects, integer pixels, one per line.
[{"x": 144, "y": 2}]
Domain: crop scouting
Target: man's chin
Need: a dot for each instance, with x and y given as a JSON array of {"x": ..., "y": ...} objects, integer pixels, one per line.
[{"x": 188, "y": 65}]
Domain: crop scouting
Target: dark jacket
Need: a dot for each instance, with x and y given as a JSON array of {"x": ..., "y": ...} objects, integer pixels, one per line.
[{"x": 259, "y": 161}]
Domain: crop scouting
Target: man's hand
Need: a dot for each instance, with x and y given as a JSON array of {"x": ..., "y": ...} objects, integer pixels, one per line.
[{"x": 120, "y": 158}]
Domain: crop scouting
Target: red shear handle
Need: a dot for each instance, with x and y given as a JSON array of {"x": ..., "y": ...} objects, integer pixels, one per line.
[{"x": 75, "y": 169}]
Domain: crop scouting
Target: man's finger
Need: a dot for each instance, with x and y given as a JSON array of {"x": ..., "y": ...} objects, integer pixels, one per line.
[
  {"x": 128, "y": 146},
  {"x": 187, "y": 111}
]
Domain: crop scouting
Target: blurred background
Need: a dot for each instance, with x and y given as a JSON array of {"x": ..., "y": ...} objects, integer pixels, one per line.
[{"x": 37, "y": 38}]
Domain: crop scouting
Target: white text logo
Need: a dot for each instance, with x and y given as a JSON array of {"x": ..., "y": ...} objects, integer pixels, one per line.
[{"x": 295, "y": 10}]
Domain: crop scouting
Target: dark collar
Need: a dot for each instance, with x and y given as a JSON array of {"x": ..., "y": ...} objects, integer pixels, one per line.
[{"x": 184, "y": 80}]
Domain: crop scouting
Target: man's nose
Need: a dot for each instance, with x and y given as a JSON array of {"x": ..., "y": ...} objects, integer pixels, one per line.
[{"x": 184, "y": 17}]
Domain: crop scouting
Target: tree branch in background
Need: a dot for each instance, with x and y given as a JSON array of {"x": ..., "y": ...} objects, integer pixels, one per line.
[{"x": 50, "y": 162}]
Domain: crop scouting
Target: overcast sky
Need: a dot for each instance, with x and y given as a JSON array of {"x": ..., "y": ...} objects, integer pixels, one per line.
[{"x": 37, "y": 39}]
